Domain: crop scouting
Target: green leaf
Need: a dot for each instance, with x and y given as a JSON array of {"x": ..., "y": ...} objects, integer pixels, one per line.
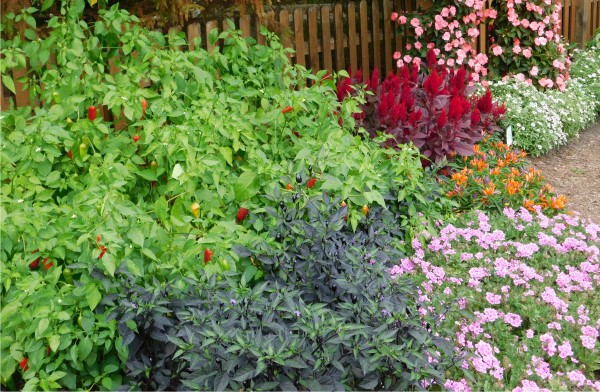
[
  {"x": 109, "y": 263},
  {"x": 47, "y": 4},
  {"x": 331, "y": 183},
  {"x": 9, "y": 83},
  {"x": 42, "y": 327},
  {"x": 53, "y": 342},
  {"x": 93, "y": 297},
  {"x": 161, "y": 209},
  {"x": 149, "y": 253},
  {"x": 56, "y": 376},
  {"x": 375, "y": 196},
  {"x": 227, "y": 154},
  {"x": 85, "y": 347},
  {"x": 136, "y": 236},
  {"x": 246, "y": 186}
]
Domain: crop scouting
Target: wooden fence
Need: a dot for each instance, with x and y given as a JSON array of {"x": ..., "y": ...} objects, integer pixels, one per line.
[{"x": 355, "y": 35}]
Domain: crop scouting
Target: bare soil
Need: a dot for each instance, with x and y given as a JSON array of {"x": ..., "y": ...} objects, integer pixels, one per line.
[{"x": 574, "y": 170}]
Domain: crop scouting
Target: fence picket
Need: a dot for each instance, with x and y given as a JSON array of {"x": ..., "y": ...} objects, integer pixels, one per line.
[
  {"x": 245, "y": 25},
  {"x": 193, "y": 32},
  {"x": 340, "y": 61},
  {"x": 299, "y": 35},
  {"x": 313, "y": 41},
  {"x": 326, "y": 34},
  {"x": 364, "y": 38},
  {"x": 376, "y": 35},
  {"x": 387, "y": 37},
  {"x": 209, "y": 27},
  {"x": 352, "y": 37}
]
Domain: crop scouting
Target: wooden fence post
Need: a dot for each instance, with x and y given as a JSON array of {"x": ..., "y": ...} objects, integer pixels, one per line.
[{"x": 582, "y": 18}]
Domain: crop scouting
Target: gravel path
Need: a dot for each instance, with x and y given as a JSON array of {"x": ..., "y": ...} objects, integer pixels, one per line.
[{"x": 574, "y": 170}]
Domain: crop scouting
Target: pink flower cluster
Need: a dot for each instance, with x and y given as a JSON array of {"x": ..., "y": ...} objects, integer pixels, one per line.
[
  {"x": 452, "y": 28},
  {"x": 553, "y": 335}
]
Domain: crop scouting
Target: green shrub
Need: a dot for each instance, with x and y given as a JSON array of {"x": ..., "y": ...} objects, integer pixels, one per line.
[{"x": 100, "y": 196}]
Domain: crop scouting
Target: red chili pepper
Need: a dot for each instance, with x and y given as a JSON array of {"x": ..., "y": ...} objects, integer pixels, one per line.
[
  {"x": 98, "y": 238},
  {"x": 103, "y": 250},
  {"x": 287, "y": 109},
  {"x": 208, "y": 254},
  {"x": 36, "y": 262},
  {"x": 144, "y": 105},
  {"x": 289, "y": 187},
  {"x": 296, "y": 134},
  {"x": 311, "y": 182},
  {"x": 241, "y": 214},
  {"x": 47, "y": 264},
  {"x": 136, "y": 138},
  {"x": 70, "y": 154},
  {"x": 23, "y": 364},
  {"x": 91, "y": 113}
]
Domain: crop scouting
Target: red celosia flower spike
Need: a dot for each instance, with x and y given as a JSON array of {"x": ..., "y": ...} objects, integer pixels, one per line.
[{"x": 485, "y": 102}]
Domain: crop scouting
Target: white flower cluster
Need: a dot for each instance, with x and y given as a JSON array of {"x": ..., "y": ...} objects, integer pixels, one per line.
[
  {"x": 542, "y": 120},
  {"x": 536, "y": 124}
]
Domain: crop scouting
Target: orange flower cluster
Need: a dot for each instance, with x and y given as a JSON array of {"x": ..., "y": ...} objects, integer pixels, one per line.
[{"x": 497, "y": 176}]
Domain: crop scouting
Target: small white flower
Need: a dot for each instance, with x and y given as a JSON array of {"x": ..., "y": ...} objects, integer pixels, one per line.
[
  {"x": 73, "y": 216},
  {"x": 38, "y": 149},
  {"x": 20, "y": 201}
]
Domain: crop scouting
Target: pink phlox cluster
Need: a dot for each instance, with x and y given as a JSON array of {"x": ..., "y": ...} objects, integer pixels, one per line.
[
  {"x": 565, "y": 350},
  {"x": 549, "y": 296},
  {"x": 513, "y": 319},
  {"x": 589, "y": 336},
  {"x": 457, "y": 386},
  {"x": 541, "y": 368},
  {"x": 485, "y": 361},
  {"x": 548, "y": 344},
  {"x": 530, "y": 386}
]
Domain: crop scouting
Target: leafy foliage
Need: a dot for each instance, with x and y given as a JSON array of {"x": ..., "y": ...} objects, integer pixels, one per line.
[
  {"x": 436, "y": 112},
  {"x": 143, "y": 163},
  {"x": 326, "y": 314}
]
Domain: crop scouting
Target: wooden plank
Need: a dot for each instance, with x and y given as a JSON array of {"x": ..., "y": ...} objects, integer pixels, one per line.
[
  {"x": 482, "y": 38},
  {"x": 313, "y": 41},
  {"x": 364, "y": 38},
  {"x": 21, "y": 95},
  {"x": 326, "y": 33},
  {"x": 338, "y": 14},
  {"x": 398, "y": 33},
  {"x": 210, "y": 26},
  {"x": 284, "y": 23},
  {"x": 352, "y": 37},
  {"x": 594, "y": 20},
  {"x": 572, "y": 17},
  {"x": 587, "y": 21},
  {"x": 193, "y": 32},
  {"x": 583, "y": 11},
  {"x": 388, "y": 25},
  {"x": 299, "y": 35},
  {"x": 245, "y": 25},
  {"x": 4, "y": 100},
  {"x": 376, "y": 36},
  {"x": 259, "y": 37}
]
